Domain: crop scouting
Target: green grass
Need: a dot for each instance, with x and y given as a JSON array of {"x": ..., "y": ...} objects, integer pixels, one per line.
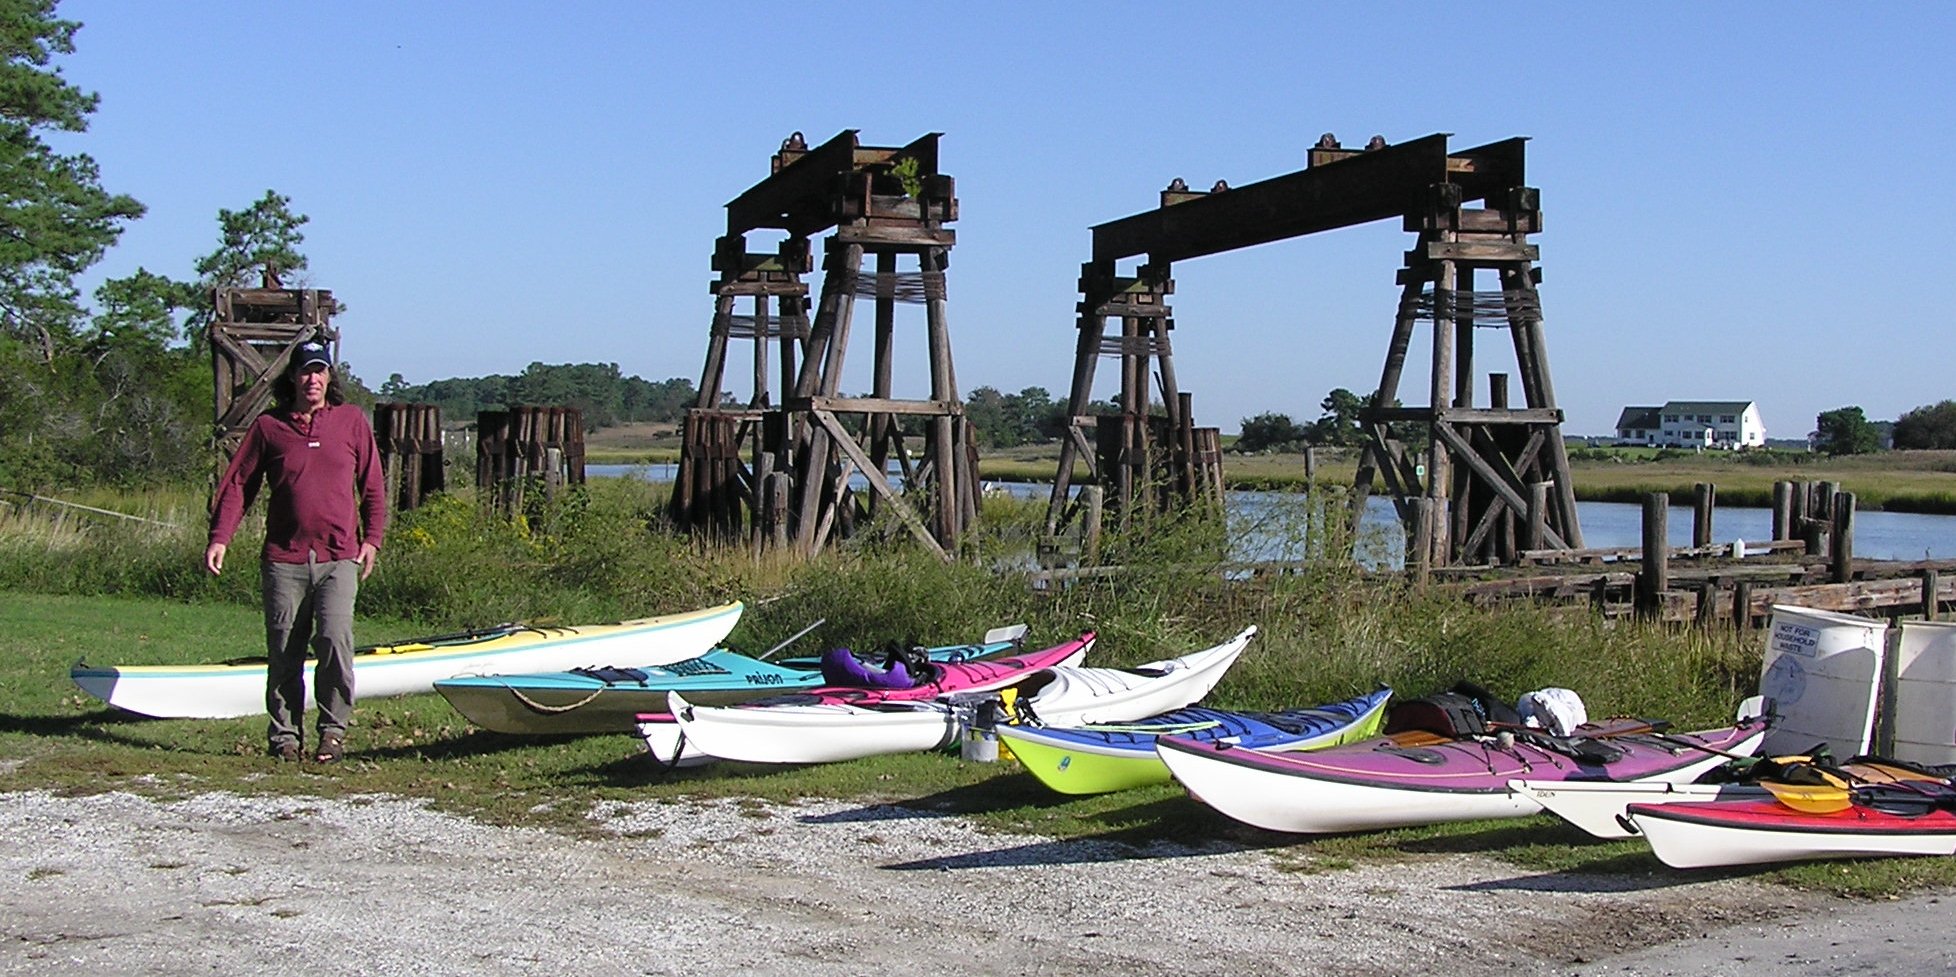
[{"x": 127, "y": 594}]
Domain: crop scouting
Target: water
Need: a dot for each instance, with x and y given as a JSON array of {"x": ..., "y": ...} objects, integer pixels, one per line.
[{"x": 1265, "y": 519}]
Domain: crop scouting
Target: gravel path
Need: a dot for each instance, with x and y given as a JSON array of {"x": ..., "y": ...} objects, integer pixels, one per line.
[{"x": 216, "y": 883}]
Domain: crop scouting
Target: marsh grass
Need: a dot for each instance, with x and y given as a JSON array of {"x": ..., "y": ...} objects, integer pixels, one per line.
[{"x": 96, "y": 589}]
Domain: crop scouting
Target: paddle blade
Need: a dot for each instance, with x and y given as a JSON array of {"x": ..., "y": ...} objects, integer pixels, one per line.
[{"x": 1810, "y": 798}]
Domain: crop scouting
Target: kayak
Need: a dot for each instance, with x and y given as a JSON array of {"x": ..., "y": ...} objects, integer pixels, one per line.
[
  {"x": 824, "y": 732},
  {"x": 1754, "y": 832},
  {"x": 1600, "y": 806},
  {"x": 1106, "y": 757},
  {"x": 237, "y": 688},
  {"x": 779, "y": 729},
  {"x": 607, "y": 700},
  {"x": 1077, "y": 696},
  {"x": 1418, "y": 777}
]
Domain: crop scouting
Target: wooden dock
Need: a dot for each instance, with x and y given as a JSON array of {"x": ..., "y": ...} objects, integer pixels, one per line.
[{"x": 1809, "y": 563}]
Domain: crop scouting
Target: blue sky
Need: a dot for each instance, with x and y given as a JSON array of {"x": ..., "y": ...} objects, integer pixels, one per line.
[{"x": 1743, "y": 201}]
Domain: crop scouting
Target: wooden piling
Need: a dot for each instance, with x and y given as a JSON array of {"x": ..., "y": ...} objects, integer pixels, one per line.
[
  {"x": 1655, "y": 578},
  {"x": 1931, "y": 591},
  {"x": 1420, "y": 555},
  {"x": 1703, "y": 496},
  {"x": 1841, "y": 559},
  {"x": 1093, "y": 500},
  {"x": 1782, "y": 510},
  {"x": 1537, "y": 534}
]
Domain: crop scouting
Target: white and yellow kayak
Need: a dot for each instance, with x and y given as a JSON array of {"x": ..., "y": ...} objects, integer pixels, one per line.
[{"x": 237, "y": 688}]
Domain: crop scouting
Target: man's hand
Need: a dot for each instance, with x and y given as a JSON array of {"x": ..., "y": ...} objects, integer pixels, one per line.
[
  {"x": 368, "y": 554},
  {"x": 214, "y": 558}
]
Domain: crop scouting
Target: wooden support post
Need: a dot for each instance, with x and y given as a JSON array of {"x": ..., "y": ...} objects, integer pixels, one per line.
[
  {"x": 778, "y": 492},
  {"x": 1931, "y": 594},
  {"x": 1420, "y": 549},
  {"x": 553, "y": 472},
  {"x": 1782, "y": 510},
  {"x": 1825, "y": 495},
  {"x": 1093, "y": 500},
  {"x": 1703, "y": 496},
  {"x": 1538, "y": 501},
  {"x": 1439, "y": 464},
  {"x": 1742, "y": 605},
  {"x": 1310, "y": 465},
  {"x": 1655, "y": 578},
  {"x": 1841, "y": 560}
]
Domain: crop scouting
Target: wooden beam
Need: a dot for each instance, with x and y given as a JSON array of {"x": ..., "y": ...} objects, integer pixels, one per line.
[
  {"x": 1475, "y": 251},
  {"x": 1464, "y": 415},
  {"x": 1371, "y": 186},
  {"x": 783, "y": 199}
]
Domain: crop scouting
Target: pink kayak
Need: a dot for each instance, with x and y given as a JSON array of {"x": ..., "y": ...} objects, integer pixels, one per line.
[
  {"x": 981, "y": 675},
  {"x": 1419, "y": 778},
  {"x": 663, "y": 737}
]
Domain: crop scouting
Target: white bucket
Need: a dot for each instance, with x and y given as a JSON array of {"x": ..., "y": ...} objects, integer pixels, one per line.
[
  {"x": 1924, "y": 706},
  {"x": 979, "y": 745},
  {"x": 1823, "y": 672}
]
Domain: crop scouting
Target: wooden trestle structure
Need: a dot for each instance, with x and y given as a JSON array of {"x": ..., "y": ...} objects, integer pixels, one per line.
[
  {"x": 408, "y": 437},
  {"x": 793, "y": 487},
  {"x": 252, "y": 334},
  {"x": 1135, "y": 452},
  {"x": 1494, "y": 479},
  {"x": 524, "y": 447}
]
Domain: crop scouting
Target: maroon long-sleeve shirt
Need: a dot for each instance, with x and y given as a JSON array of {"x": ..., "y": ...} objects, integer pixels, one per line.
[{"x": 313, "y": 469}]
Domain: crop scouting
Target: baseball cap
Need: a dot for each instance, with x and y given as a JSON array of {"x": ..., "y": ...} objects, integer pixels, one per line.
[{"x": 308, "y": 354}]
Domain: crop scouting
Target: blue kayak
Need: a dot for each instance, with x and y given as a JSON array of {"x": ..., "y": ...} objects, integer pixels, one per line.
[
  {"x": 1099, "y": 759},
  {"x": 608, "y": 700}
]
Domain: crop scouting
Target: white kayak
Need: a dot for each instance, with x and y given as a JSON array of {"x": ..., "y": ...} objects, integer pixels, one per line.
[
  {"x": 231, "y": 689},
  {"x": 828, "y": 732},
  {"x": 1598, "y": 806},
  {"x": 1080, "y": 696}
]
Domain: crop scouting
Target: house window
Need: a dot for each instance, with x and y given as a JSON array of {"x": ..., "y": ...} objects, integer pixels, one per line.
[{"x": 1727, "y": 419}]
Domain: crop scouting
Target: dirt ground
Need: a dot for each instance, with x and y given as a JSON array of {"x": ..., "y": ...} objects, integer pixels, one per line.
[{"x": 216, "y": 883}]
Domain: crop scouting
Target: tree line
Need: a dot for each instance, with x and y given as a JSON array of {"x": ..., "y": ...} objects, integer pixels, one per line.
[
  {"x": 1336, "y": 426},
  {"x": 600, "y": 392},
  {"x": 1847, "y": 430}
]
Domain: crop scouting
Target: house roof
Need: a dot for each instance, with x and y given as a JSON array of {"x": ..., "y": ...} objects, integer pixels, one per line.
[
  {"x": 1637, "y": 418},
  {"x": 1706, "y": 406}
]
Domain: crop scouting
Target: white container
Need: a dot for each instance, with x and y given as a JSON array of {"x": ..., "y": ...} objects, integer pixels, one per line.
[
  {"x": 1823, "y": 672},
  {"x": 979, "y": 745},
  {"x": 977, "y": 730},
  {"x": 1924, "y": 706}
]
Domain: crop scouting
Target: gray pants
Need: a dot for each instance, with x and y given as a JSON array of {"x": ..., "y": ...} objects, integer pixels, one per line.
[{"x": 308, "y": 604}]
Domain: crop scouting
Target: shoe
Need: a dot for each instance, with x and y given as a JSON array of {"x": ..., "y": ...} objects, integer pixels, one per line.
[
  {"x": 332, "y": 745},
  {"x": 287, "y": 750}
]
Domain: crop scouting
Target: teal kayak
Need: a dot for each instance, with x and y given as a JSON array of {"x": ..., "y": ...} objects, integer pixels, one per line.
[{"x": 608, "y": 700}]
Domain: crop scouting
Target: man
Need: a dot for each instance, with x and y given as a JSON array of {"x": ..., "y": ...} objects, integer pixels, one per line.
[{"x": 314, "y": 450}]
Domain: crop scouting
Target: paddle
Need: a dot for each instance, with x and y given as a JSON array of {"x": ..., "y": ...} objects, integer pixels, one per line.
[
  {"x": 1810, "y": 798},
  {"x": 1892, "y": 788},
  {"x": 797, "y": 636}
]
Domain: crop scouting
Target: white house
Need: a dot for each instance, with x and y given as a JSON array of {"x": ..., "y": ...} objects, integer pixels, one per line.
[{"x": 1694, "y": 424}]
